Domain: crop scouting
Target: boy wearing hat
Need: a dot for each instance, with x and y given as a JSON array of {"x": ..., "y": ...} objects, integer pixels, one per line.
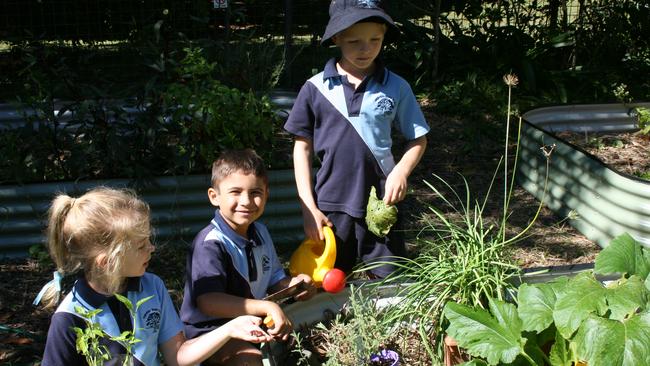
[{"x": 344, "y": 116}]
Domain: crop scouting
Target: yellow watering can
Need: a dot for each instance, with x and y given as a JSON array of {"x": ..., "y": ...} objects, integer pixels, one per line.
[{"x": 314, "y": 258}]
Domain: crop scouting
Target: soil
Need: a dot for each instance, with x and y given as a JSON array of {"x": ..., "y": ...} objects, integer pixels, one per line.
[
  {"x": 455, "y": 146},
  {"x": 626, "y": 152}
]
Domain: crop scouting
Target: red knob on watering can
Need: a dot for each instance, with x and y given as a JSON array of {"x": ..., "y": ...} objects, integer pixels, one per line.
[{"x": 316, "y": 259}]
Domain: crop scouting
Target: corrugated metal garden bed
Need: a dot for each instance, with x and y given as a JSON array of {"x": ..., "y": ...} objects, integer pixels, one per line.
[{"x": 600, "y": 201}]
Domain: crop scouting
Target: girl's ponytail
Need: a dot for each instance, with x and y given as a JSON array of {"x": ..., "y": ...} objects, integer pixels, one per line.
[{"x": 58, "y": 242}]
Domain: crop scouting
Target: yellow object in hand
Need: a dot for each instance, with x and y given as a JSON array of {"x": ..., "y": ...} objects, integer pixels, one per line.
[{"x": 314, "y": 258}]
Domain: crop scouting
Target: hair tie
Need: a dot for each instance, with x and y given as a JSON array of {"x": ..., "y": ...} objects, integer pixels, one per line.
[{"x": 56, "y": 282}]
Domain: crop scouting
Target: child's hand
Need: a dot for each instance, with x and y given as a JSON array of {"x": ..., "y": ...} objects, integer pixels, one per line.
[
  {"x": 247, "y": 328},
  {"x": 396, "y": 186},
  {"x": 309, "y": 291},
  {"x": 280, "y": 326},
  {"x": 313, "y": 221}
]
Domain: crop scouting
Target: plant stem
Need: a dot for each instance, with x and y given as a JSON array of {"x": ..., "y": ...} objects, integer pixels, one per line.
[{"x": 505, "y": 168}]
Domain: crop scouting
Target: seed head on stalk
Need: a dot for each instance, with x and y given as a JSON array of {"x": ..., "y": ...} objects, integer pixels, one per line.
[{"x": 511, "y": 81}]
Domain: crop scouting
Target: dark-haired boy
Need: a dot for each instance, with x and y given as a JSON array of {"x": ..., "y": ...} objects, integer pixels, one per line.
[{"x": 232, "y": 263}]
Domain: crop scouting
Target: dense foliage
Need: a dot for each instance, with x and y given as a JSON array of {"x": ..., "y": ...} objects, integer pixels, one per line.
[
  {"x": 452, "y": 52},
  {"x": 176, "y": 127}
]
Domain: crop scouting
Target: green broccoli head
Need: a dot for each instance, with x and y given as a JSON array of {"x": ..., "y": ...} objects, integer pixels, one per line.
[{"x": 380, "y": 217}]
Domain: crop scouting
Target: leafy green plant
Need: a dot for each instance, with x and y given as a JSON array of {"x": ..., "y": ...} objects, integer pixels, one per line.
[
  {"x": 582, "y": 317},
  {"x": 643, "y": 119},
  {"x": 212, "y": 117},
  {"x": 88, "y": 341},
  {"x": 361, "y": 330},
  {"x": 127, "y": 338}
]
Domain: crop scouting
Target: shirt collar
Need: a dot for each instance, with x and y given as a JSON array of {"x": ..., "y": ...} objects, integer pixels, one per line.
[
  {"x": 380, "y": 74},
  {"x": 94, "y": 298},
  {"x": 234, "y": 236}
]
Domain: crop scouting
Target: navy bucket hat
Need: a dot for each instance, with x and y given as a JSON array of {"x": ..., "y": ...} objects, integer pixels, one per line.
[{"x": 346, "y": 13}]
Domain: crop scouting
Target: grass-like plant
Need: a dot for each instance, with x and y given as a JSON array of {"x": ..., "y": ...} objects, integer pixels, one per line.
[{"x": 465, "y": 261}]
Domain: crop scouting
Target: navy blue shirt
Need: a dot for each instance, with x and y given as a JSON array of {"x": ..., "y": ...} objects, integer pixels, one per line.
[
  {"x": 351, "y": 132},
  {"x": 157, "y": 322},
  {"x": 218, "y": 262}
]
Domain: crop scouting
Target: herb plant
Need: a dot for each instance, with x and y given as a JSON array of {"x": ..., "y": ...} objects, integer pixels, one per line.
[
  {"x": 89, "y": 339},
  {"x": 583, "y": 318}
]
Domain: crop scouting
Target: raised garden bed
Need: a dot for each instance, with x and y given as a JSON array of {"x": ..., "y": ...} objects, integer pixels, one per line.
[{"x": 599, "y": 200}]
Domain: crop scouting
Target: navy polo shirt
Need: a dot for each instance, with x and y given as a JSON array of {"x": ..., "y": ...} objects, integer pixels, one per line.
[
  {"x": 351, "y": 132},
  {"x": 157, "y": 322},
  {"x": 218, "y": 262}
]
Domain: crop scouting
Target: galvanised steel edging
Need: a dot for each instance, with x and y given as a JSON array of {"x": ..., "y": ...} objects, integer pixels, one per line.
[
  {"x": 179, "y": 208},
  {"x": 599, "y": 201}
]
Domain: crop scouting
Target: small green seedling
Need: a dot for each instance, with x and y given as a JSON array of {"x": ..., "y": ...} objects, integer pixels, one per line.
[{"x": 88, "y": 340}]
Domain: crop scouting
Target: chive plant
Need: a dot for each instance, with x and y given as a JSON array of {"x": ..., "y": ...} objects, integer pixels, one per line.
[{"x": 466, "y": 260}]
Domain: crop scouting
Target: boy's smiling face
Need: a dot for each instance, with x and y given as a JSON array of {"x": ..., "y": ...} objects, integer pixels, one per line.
[
  {"x": 360, "y": 45},
  {"x": 241, "y": 199}
]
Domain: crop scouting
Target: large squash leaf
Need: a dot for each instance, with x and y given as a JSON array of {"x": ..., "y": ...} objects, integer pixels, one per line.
[
  {"x": 606, "y": 342},
  {"x": 583, "y": 295},
  {"x": 625, "y": 256},
  {"x": 536, "y": 303},
  {"x": 625, "y": 296},
  {"x": 560, "y": 353},
  {"x": 494, "y": 338}
]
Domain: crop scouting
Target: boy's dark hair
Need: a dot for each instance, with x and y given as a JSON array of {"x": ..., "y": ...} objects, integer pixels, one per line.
[{"x": 231, "y": 161}]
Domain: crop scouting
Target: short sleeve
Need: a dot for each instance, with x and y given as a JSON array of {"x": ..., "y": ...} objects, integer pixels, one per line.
[
  {"x": 302, "y": 118},
  {"x": 170, "y": 323},
  {"x": 209, "y": 272},
  {"x": 278, "y": 271},
  {"x": 410, "y": 119},
  {"x": 60, "y": 347}
]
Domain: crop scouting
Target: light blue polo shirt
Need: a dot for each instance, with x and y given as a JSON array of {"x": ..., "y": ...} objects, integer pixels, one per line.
[
  {"x": 157, "y": 322},
  {"x": 351, "y": 132}
]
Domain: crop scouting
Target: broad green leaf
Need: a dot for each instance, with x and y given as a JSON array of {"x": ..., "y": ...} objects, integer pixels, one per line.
[
  {"x": 583, "y": 295},
  {"x": 481, "y": 334},
  {"x": 476, "y": 362},
  {"x": 626, "y": 297},
  {"x": 506, "y": 314},
  {"x": 606, "y": 342},
  {"x": 560, "y": 353},
  {"x": 625, "y": 256},
  {"x": 536, "y": 303}
]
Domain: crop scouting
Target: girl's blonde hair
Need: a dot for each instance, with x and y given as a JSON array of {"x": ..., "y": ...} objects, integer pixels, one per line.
[{"x": 104, "y": 221}]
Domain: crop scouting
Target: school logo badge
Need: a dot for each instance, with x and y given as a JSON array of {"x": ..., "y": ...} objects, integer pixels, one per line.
[
  {"x": 152, "y": 319},
  {"x": 384, "y": 105},
  {"x": 372, "y": 4},
  {"x": 266, "y": 263}
]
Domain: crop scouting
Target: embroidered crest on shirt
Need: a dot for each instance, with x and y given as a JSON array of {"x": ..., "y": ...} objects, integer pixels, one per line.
[
  {"x": 384, "y": 105},
  {"x": 373, "y": 4},
  {"x": 152, "y": 319},
  {"x": 266, "y": 263}
]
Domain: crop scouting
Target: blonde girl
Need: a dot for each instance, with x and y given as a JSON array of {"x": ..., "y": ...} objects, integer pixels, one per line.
[{"x": 104, "y": 237}]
